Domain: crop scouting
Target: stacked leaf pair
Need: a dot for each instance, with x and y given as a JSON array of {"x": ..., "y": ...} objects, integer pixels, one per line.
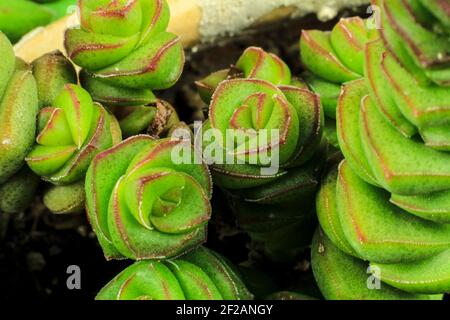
[
  {"x": 387, "y": 205},
  {"x": 333, "y": 58},
  {"x": 136, "y": 195},
  {"x": 122, "y": 66}
]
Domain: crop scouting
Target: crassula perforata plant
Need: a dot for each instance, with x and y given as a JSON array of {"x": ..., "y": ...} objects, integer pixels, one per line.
[
  {"x": 70, "y": 133},
  {"x": 19, "y": 17},
  {"x": 199, "y": 275},
  {"x": 143, "y": 205},
  {"x": 253, "y": 99},
  {"x": 387, "y": 205},
  {"x": 18, "y": 110},
  {"x": 125, "y": 50}
]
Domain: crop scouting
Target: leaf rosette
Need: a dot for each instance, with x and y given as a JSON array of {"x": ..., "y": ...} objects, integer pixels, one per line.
[
  {"x": 365, "y": 236},
  {"x": 52, "y": 71},
  {"x": 259, "y": 116},
  {"x": 125, "y": 50},
  {"x": 70, "y": 134},
  {"x": 200, "y": 275},
  {"x": 412, "y": 238},
  {"x": 143, "y": 205}
]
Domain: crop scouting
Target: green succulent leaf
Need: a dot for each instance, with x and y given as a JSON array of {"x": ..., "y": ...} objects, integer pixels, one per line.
[
  {"x": 249, "y": 106},
  {"x": 18, "y": 110},
  {"x": 318, "y": 54},
  {"x": 256, "y": 63},
  {"x": 348, "y": 39},
  {"x": 402, "y": 166},
  {"x": 379, "y": 88},
  {"x": 327, "y": 213},
  {"x": 21, "y": 16},
  {"x": 427, "y": 276},
  {"x": 348, "y": 129}
]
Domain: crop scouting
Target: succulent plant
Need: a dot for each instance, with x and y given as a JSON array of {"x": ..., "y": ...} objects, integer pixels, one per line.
[
  {"x": 18, "y": 110},
  {"x": 52, "y": 71},
  {"x": 253, "y": 99},
  {"x": 199, "y": 275},
  {"x": 416, "y": 33},
  {"x": 331, "y": 59},
  {"x": 19, "y": 17},
  {"x": 158, "y": 120},
  {"x": 70, "y": 133},
  {"x": 387, "y": 205},
  {"x": 289, "y": 296},
  {"x": 142, "y": 204},
  {"x": 122, "y": 65},
  {"x": 17, "y": 193}
]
